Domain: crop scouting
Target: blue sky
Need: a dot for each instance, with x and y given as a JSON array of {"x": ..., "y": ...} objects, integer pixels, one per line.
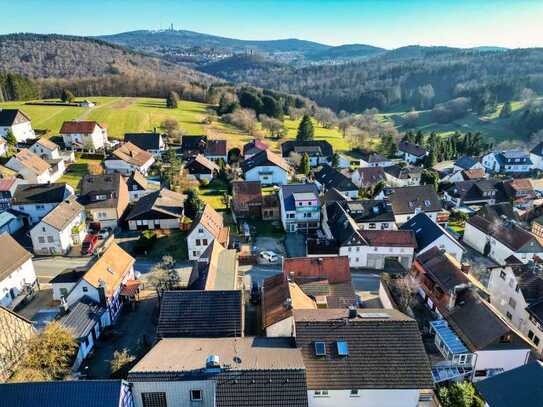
[{"x": 386, "y": 23}]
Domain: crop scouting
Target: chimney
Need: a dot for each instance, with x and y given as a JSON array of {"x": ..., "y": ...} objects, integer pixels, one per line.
[
  {"x": 63, "y": 306},
  {"x": 352, "y": 312},
  {"x": 213, "y": 362},
  {"x": 288, "y": 303},
  {"x": 466, "y": 268}
]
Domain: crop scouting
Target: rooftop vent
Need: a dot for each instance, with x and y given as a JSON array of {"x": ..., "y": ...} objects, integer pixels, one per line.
[
  {"x": 320, "y": 349},
  {"x": 352, "y": 312},
  {"x": 342, "y": 348},
  {"x": 213, "y": 361},
  {"x": 374, "y": 315}
]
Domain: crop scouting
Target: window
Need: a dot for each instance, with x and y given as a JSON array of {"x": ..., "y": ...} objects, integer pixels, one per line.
[
  {"x": 372, "y": 225},
  {"x": 509, "y": 315},
  {"x": 204, "y": 242},
  {"x": 506, "y": 338},
  {"x": 480, "y": 373},
  {"x": 50, "y": 239},
  {"x": 200, "y": 230},
  {"x": 342, "y": 348},
  {"x": 502, "y": 275},
  {"x": 157, "y": 399},
  {"x": 41, "y": 239},
  {"x": 43, "y": 229},
  {"x": 321, "y": 393},
  {"x": 85, "y": 289},
  {"x": 64, "y": 292},
  {"x": 196, "y": 395},
  {"x": 512, "y": 303},
  {"x": 517, "y": 288},
  {"x": 320, "y": 349},
  {"x": 536, "y": 341},
  {"x": 530, "y": 335},
  {"x": 194, "y": 253},
  {"x": 197, "y": 242},
  {"x": 354, "y": 393}
]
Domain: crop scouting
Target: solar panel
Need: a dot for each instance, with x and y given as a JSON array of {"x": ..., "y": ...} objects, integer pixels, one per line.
[
  {"x": 342, "y": 348},
  {"x": 320, "y": 349}
]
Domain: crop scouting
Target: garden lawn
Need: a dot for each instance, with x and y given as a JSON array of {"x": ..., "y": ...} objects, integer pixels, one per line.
[
  {"x": 76, "y": 171},
  {"x": 213, "y": 193},
  {"x": 171, "y": 243}
]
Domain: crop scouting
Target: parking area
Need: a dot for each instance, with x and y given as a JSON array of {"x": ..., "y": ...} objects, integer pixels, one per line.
[{"x": 295, "y": 245}]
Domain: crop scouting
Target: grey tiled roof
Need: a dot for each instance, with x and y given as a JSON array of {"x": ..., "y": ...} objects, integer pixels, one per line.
[
  {"x": 82, "y": 317},
  {"x": 408, "y": 199},
  {"x": 39, "y": 193},
  {"x": 200, "y": 314},
  {"x": 329, "y": 177},
  {"x": 289, "y": 190}
]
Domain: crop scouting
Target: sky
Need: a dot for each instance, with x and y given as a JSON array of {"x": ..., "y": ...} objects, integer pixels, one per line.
[{"x": 384, "y": 23}]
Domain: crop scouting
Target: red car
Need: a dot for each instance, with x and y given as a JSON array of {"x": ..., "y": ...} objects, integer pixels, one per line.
[{"x": 87, "y": 248}]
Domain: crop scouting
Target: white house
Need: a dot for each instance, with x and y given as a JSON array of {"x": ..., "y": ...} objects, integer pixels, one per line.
[
  {"x": 319, "y": 152},
  {"x": 508, "y": 162},
  {"x": 62, "y": 228},
  {"x": 37, "y": 200},
  {"x": 45, "y": 149},
  {"x": 536, "y": 156},
  {"x": 517, "y": 292},
  {"x": 467, "y": 163},
  {"x": 501, "y": 240},
  {"x": 16, "y": 270},
  {"x": 429, "y": 234},
  {"x": 411, "y": 153},
  {"x": 266, "y": 167},
  {"x": 34, "y": 169},
  {"x": 300, "y": 207},
  {"x": 84, "y": 135},
  {"x": 139, "y": 186},
  {"x": 408, "y": 201},
  {"x": 129, "y": 158},
  {"x": 374, "y": 160},
  {"x": 150, "y": 142},
  {"x": 206, "y": 228},
  {"x": 346, "y": 366},
  {"x": 18, "y": 123},
  {"x": 397, "y": 176},
  {"x": 162, "y": 209}
]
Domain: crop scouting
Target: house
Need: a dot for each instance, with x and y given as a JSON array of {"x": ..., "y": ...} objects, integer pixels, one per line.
[
  {"x": 328, "y": 177},
  {"x": 104, "y": 280},
  {"x": 45, "y": 149},
  {"x": 220, "y": 372},
  {"x": 151, "y": 142},
  {"x": 84, "y": 135},
  {"x": 105, "y": 198},
  {"x": 216, "y": 150},
  {"x": 498, "y": 212},
  {"x": 129, "y": 158},
  {"x": 508, "y": 162},
  {"x": 65, "y": 281},
  {"x": 368, "y": 177},
  {"x": 271, "y": 208},
  {"x": 300, "y": 207},
  {"x": 4, "y": 147},
  {"x": 11, "y": 221},
  {"x": 206, "y": 228},
  {"x": 319, "y": 151},
  {"x": 500, "y": 239},
  {"x": 371, "y": 214},
  {"x": 464, "y": 175},
  {"x": 517, "y": 387},
  {"x": 201, "y": 168},
  {"x": 216, "y": 269},
  {"x": 326, "y": 280},
  {"x": 253, "y": 147},
  {"x": 35, "y": 170},
  {"x": 429, "y": 234},
  {"x": 37, "y": 200},
  {"x": 80, "y": 393},
  {"x": 17, "y": 275},
  {"x": 85, "y": 321},
  {"x": 372, "y": 357},
  {"x": 397, "y": 176},
  {"x": 280, "y": 297},
  {"x": 473, "y": 339},
  {"x": 159, "y": 210},
  {"x": 536, "y": 156},
  {"x": 193, "y": 314},
  {"x": 516, "y": 291},
  {"x": 139, "y": 186},
  {"x": 247, "y": 199},
  {"x": 193, "y": 145},
  {"x": 520, "y": 191},
  {"x": 15, "y": 331},
  {"x": 60, "y": 230},
  {"x": 408, "y": 201},
  {"x": 467, "y": 163},
  {"x": 374, "y": 160},
  {"x": 411, "y": 152},
  {"x": 266, "y": 167},
  {"x": 7, "y": 190},
  {"x": 475, "y": 192},
  {"x": 18, "y": 123}
]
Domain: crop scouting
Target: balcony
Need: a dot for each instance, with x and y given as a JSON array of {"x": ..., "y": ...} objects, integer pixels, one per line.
[{"x": 312, "y": 208}]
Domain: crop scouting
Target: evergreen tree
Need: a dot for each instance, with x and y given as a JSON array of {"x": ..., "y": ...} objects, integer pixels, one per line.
[
  {"x": 250, "y": 100},
  {"x": 306, "y": 131},
  {"x": 67, "y": 96},
  {"x": 172, "y": 100},
  {"x": 430, "y": 177},
  {"x": 305, "y": 167},
  {"x": 430, "y": 160},
  {"x": 506, "y": 110},
  {"x": 272, "y": 108},
  {"x": 419, "y": 138},
  {"x": 388, "y": 146},
  {"x": 10, "y": 138},
  {"x": 193, "y": 204}
]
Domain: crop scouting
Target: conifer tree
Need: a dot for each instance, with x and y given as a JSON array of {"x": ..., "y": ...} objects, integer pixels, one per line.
[{"x": 306, "y": 131}]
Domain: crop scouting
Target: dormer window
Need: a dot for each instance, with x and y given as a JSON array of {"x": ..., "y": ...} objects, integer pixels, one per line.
[
  {"x": 342, "y": 348},
  {"x": 101, "y": 197},
  {"x": 320, "y": 349}
]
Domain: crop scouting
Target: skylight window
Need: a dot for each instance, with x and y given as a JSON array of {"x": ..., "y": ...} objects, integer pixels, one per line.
[
  {"x": 320, "y": 349},
  {"x": 342, "y": 348}
]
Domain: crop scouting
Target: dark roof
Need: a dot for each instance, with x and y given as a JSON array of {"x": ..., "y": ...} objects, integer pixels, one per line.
[
  {"x": 369, "y": 210},
  {"x": 145, "y": 141},
  {"x": 200, "y": 314},
  {"x": 465, "y": 162},
  {"x": 370, "y": 176},
  {"x": 263, "y": 388},
  {"x": 342, "y": 226},
  {"x": 289, "y": 190},
  {"x": 475, "y": 190},
  {"x": 516, "y": 387},
  {"x": 538, "y": 149},
  {"x": 216, "y": 147},
  {"x": 264, "y": 158},
  {"x": 508, "y": 233},
  {"x": 193, "y": 143},
  {"x": 39, "y": 193},
  {"x": 333, "y": 195},
  {"x": 513, "y": 157},
  {"x": 82, "y": 317},
  {"x": 103, "y": 184},
  {"x": 165, "y": 203},
  {"x": 400, "y": 172},
  {"x": 385, "y": 350},
  {"x": 9, "y": 116},
  {"x": 69, "y": 276},
  {"x": 318, "y": 147},
  {"x": 245, "y": 193},
  {"x": 254, "y": 146},
  {"x": 426, "y": 230},
  {"x": 498, "y": 211},
  {"x": 411, "y": 148},
  {"x": 329, "y": 177},
  {"x": 442, "y": 269},
  {"x": 408, "y": 199},
  {"x": 76, "y": 393}
]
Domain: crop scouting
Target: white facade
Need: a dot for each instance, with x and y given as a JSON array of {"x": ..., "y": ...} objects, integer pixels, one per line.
[
  {"x": 89, "y": 142},
  {"x": 377, "y": 225},
  {"x": 402, "y": 182},
  {"x": 126, "y": 168},
  {"x": 21, "y": 131},
  {"x": 491, "y": 163},
  {"x": 47, "y": 240},
  {"x": 267, "y": 175},
  {"x": 446, "y": 243},
  {"x": 29, "y": 175},
  {"x": 87, "y": 344},
  {"x": 198, "y": 241},
  {"x": 509, "y": 301},
  {"x": 44, "y": 152},
  {"x": 404, "y": 217},
  {"x": 500, "y": 360},
  {"x": 410, "y": 158},
  {"x": 374, "y": 256},
  {"x": 364, "y": 397},
  {"x": 36, "y": 212},
  {"x": 537, "y": 161},
  {"x": 155, "y": 224},
  {"x": 476, "y": 166},
  {"x": 178, "y": 393},
  {"x": 14, "y": 283}
]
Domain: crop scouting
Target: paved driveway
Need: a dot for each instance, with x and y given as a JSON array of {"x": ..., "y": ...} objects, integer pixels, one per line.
[{"x": 295, "y": 245}]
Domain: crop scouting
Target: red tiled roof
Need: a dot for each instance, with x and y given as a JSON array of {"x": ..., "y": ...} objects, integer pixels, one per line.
[
  {"x": 401, "y": 238},
  {"x": 6, "y": 184},
  {"x": 82, "y": 127},
  {"x": 334, "y": 269},
  {"x": 521, "y": 184}
]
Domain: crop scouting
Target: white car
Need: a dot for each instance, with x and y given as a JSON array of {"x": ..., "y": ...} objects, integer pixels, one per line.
[{"x": 269, "y": 255}]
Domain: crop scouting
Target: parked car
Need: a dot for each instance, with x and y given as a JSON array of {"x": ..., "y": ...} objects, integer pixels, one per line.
[
  {"x": 103, "y": 233},
  {"x": 255, "y": 294},
  {"x": 89, "y": 244},
  {"x": 269, "y": 255}
]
